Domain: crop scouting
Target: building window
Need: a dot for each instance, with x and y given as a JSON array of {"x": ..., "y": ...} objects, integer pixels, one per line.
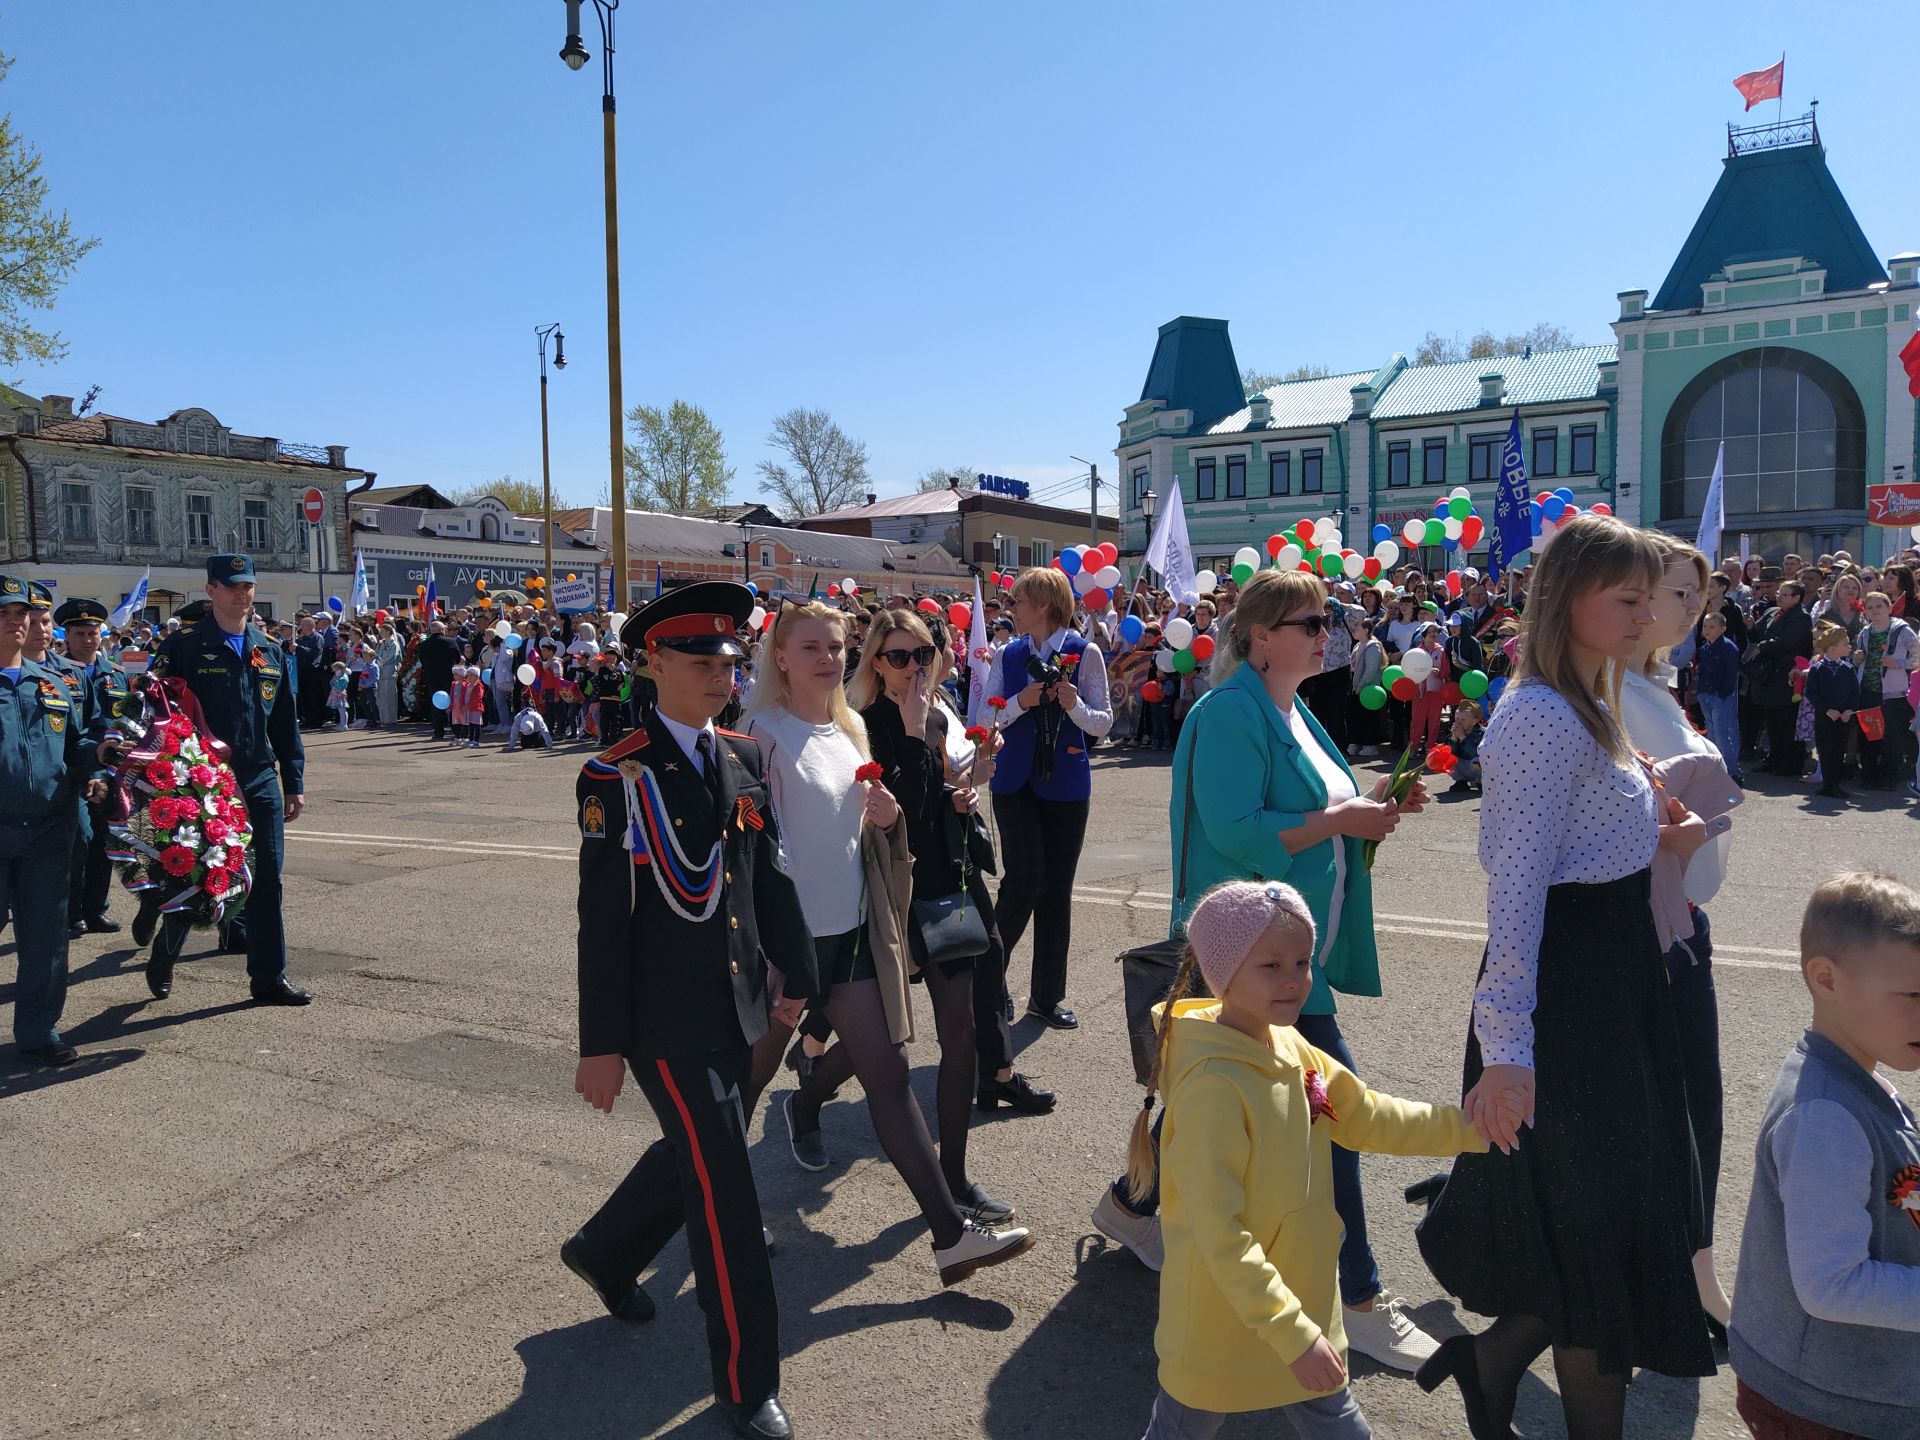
[
  {"x": 489, "y": 527},
  {"x": 1203, "y": 480},
  {"x": 1042, "y": 552},
  {"x": 1006, "y": 552},
  {"x": 1433, "y": 462},
  {"x": 76, "y": 511},
  {"x": 1584, "y": 450},
  {"x": 1399, "y": 465},
  {"x": 1140, "y": 486},
  {"x": 254, "y": 526},
  {"x": 1310, "y": 472},
  {"x": 1236, "y": 477},
  {"x": 766, "y": 557},
  {"x": 1280, "y": 474},
  {"x": 1483, "y": 457},
  {"x": 143, "y": 515},
  {"x": 200, "y": 521},
  {"x": 263, "y": 609},
  {"x": 1546, "y": 453}
]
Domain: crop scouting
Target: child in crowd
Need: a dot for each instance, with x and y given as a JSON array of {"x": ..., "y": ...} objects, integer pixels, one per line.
[
  {"x": 529, "y": 725},
  {"x": 1717, "y": 686},
  {"x": 1467, "y": 731},
  {"x": 337, "y": 688},
  {"x": 1429, "y": 701},
  {"x": 1825, "y": 1339},
  {"x": 1368, "y": 728},
  {"x": 1252, "y": 1113},
  {"x": 1832, "y": 693},
  {"x": 369, "y": 694},
  {"x": 468, "y": 711}
]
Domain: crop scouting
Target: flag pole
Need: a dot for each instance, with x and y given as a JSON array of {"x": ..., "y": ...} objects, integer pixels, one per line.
[{"x": 1780, "y": 99}]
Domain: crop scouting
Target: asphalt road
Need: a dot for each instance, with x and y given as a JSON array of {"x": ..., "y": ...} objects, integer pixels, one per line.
[{"x": 343, "y": 1220}]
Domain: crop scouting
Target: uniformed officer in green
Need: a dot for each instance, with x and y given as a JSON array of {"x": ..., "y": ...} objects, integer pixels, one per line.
[
  {"x": 84, "y": 621},
  {"x": 240, "y": 677},
  {"x": 46, "y": 760},
  {"x": 682, "y": 910}
]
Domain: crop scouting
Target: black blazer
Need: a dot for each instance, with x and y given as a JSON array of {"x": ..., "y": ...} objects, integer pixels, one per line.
[{"x": 654, "y": 983}]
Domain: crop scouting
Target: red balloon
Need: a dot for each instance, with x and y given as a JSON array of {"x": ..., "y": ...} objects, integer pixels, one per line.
[
  {"x": 767, "y": 623},
  {"x": 1371, "y": 569},
  {"x": 1096, "y": 601},
  {"x": 1453, "y": 582},
  {"x": 1305, "y": 531},
  {"x": 959, "y": 616},
  {"x": 930, "y": 605},
  {"x": 1110, "y": 552},
  {"x": 381, "y": 617},
  {"x": 1471, "y": 530},
  {"x": 1405, "y": 689},
  {"x": 1057, "y": 565},
  {"x": 1202, "y": 647},
  {"x": 1275, "y": 544},
  {"x": 1450, "y": 693},
  {"x": 1600, "y": 507},
  {"x": 1152, "y": 693}
]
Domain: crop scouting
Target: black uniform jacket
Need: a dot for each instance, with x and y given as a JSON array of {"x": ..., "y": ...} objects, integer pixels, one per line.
[{"x": 655, "y": 980}]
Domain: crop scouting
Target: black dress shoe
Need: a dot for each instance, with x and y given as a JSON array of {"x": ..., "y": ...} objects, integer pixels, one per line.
[
  {"x": 984, "y": 1209},
  {"x": 56, "y": 1056},
  {"x": 103, "y": 925},
  {"x": 76, "y": 930},
  {"x": 634, "y": 1306},
  {"x": 765, "y": 1421},
  {"x": 279, "y": 992},
  {"x": 145, "y": 922},
  {"x": 160, "y": 978},
  {"x": 1058, "y": 1018},
  {"x": 1019, "y": 1093}
]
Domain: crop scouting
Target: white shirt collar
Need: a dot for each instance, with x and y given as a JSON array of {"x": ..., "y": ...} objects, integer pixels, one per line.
[
  {"x": 1051, "y": 645},
  {"x": 688, "y": 736}
]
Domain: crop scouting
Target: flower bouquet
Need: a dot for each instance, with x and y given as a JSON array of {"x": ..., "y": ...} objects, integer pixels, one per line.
[
  {"x": 1406, "y": 774},
  {"x": 178, "y": 823}
]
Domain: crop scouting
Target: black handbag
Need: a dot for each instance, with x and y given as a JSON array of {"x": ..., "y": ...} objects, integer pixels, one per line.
[
  {"x": 1147, "y": 972},
  {"x": 950, "y": 927}
]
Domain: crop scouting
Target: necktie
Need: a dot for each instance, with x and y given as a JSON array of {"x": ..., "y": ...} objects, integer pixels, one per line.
[{"x": 709, "y": 765}]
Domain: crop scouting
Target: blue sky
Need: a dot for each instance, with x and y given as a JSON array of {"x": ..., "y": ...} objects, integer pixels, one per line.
[{"x": 956, "y": 229}]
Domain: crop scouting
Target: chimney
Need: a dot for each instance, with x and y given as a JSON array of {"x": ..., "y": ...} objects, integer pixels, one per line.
[
  {"x": 953, "y": 482},
  {"x": 57, "y": 407},
  {"x": 1362, "y": 401},
  {"x": 337, "y": 456},
  {"x": 1259, "y": 410},
  {"x": 1493, "y": 388},
  {"x": 871, "y": 497}
]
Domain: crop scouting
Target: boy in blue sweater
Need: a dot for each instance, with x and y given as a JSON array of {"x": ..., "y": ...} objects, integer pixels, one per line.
[
  {"x": 1833, "y": 694},
  {"x": 1716, "y": 680},
  {"x": 1825, "y": 1337}
]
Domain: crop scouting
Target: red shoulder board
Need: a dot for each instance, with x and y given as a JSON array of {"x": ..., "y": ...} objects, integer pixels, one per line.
[
  {"x": 736, "y": 735},
  {"x": 637, "y": 741}
]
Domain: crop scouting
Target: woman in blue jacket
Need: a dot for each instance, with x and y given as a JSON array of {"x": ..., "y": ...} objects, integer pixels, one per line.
[{"x": 1304, "y": 822}]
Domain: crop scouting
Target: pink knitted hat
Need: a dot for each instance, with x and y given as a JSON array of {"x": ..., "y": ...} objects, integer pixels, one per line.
[{"x": 1231, "y": 918}]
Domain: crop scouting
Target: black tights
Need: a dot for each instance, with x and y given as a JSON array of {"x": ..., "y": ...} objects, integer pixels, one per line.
[
  {"x": 1595, "y": 1403},
  {"x": 863, "y": 1050}
]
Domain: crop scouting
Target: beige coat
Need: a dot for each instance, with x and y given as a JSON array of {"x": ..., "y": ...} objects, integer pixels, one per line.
[{"x": 888, "y": 867}]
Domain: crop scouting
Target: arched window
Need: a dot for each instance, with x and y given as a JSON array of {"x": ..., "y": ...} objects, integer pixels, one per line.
[
  {"x": 1794, "y": 430},
  {"x": 489, "y": 527}
]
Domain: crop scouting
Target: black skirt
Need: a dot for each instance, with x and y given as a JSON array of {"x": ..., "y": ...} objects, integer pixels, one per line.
[
  {"x": 1592, "y": 1223},
  {"x": 843, "y": 959}
]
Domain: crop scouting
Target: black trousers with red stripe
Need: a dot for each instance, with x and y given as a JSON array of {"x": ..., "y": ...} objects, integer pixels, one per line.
[{"x": 698, "y": 1175}]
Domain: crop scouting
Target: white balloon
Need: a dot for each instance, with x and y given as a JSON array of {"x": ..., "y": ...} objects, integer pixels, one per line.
[
  {"x": 524, "y": 674},
  {"x": 1206, "y": 582},
  {"x": 1082, "y": 581},
  {"x": 1417, "y": 665},
  {"x": 1461, "y": 491},
  {"x": 1915, "y": 532},
  {"x": 503, "y": 629},
  {"x": 1356, "y": 563},
  {"x": 1247, "y": 555},
  {"x": 1454, "y": 528},
  {"x": 1163, "y": 661},
  {"x": 757, "y": 618},
  {"x": 1179, "y": 632},
  {"x": 1289, "y": 557},
  {"x": 1384, "y": 586},
  {"x": 1329, "y": 539},
  {"x": 1413, "y": 531},
  {"x": 1107, "y": 577},
  {"x": 614, "y": 623},
  {"x": 848, "y": 586},
  {"x": 1386, "y": 552}
]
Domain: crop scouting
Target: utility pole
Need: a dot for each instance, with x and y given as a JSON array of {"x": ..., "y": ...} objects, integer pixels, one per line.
[{"x": 1093, "y": 500}]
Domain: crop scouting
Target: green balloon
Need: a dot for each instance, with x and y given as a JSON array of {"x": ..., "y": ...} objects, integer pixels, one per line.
[
  {"x": 1242, "y": 574},
  {"x": 1459, "y": 507},
  {"x": 1373, "y": 698},
  {"x": 1473, "y": 684},
  {"x": 1391, "y": 676},
  {"x": 1436, "y": 532},
  {"x": 1184, "y": 662}
]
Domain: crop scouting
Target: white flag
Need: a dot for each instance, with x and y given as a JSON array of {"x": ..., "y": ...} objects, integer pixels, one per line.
[
  {"x": 979, "y": 658},
  {"x": 360, "y": 599},
  {"x": 1713, "y": 514},
  {"x": 1171, "y": 553},
  {"x": 135, "y": 602}
]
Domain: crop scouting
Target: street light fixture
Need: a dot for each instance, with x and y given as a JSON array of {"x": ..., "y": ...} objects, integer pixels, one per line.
[
  {"x": 574, "y": 53},
  {"x": 1147, "y": 499},
  {"x": 540, "y": 333}
]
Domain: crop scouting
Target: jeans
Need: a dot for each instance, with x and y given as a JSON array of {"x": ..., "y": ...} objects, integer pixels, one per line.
[
  {"x": 1325, "y": 1417},
  {"x": 1696, "y": 1015},
  {"x": 1722, "y": 714},
  {"x": 1359, "y": 1274}
]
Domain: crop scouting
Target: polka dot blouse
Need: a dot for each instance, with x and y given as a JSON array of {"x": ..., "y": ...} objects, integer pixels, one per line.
[{"x": 1556, "y": 810}]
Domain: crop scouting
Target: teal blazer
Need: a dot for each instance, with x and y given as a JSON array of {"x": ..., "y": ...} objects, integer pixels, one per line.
[{"x": 1251, "y": 784}]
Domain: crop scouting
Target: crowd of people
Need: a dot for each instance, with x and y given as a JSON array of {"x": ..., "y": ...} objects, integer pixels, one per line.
[{"x": 784, "y": 830}]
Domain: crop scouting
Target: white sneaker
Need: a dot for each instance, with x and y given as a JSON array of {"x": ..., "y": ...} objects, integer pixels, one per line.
[
  {"x": 977, "y": 1248},
  {"x": 1138, "y": 1233},
  {"x": 1386, "y": 1336}
]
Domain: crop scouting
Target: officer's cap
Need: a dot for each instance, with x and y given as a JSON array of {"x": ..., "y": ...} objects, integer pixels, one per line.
[
  {"x": 194, "y": 611},
  {"x": 13, "y": 590},
  {"x": 81, "y": 611},
  {"x": 230, "y": 569},
  {"x": 39, "y": 597},
  {"x": 696, "y": 619}
]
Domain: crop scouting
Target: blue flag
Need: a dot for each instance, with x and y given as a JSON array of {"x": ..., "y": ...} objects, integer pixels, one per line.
[
  {"x": 658, "y": 588},
  {"x": 135, "y": 602},
  {"x": 1512, "y": 521},
  {"x": 433, "y": 594}
]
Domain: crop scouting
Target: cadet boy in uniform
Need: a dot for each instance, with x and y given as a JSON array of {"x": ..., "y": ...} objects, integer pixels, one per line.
[
  {"x": 47, "y": 760},
  {"x": 682, "y": 912},
  {"x": 92, "y": 880},
  {"x": 240, "y": 677}
]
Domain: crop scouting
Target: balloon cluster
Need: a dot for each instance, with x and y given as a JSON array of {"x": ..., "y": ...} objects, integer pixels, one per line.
[
  {"x": 845, "y": 587},
  {"x": 1453, "y": 523},
  {"x": 1184, "y": 649},
  {"x": 1003, "y": 580},
  {"x": 1093, "y": 571},
  {"x": 1551, "y": 509}
]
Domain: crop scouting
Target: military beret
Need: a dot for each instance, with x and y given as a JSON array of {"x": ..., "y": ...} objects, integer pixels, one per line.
[
  {"x": 229, "y": 569},
  {"x": 81, "y": 611}
]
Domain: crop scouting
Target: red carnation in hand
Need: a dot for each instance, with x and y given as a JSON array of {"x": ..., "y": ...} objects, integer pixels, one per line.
[
  {"x": 163, "y": 774},
  {"x": 872, "y": 770},
  {"x": 177, "y": 860},
  {"x": 216, "y": 882},
  {"x": 996, "y": 702},
  {"x": 979, "y": 734},
  {"x": 1441, "y": 759}
]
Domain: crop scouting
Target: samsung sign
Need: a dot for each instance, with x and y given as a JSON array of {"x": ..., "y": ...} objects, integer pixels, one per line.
[{"x": 1001, "y": 485}]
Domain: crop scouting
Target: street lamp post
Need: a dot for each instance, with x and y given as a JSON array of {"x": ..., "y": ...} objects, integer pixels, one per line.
[
  {"x": 1147, "y": 499},
  {"x": 574, "y": 52},
  {"x": 541, "y": 332}
]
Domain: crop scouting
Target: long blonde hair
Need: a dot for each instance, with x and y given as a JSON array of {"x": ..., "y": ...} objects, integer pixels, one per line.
[
  {"x": 1672, "y": 550},
  {"x": 773, "y": 690},
  {"x": 1266, "y": 600},
  {"x": 865, "y": 687},
  {"x": 1590, "y": 552},
  {"x": 1142, "y": 1163}
]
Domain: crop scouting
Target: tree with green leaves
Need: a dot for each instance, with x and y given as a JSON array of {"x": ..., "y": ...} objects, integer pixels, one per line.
[
  {"x": 523, "y": 497},
  {"x": 38, "y": 249},
  {"x": 1253, "y": 381},
  {"x": 675, "y": 461},
  {"x": 1441, "y": 349},
  {"x": 826, "y": 468},
  {"x": 937, "y": 478}
]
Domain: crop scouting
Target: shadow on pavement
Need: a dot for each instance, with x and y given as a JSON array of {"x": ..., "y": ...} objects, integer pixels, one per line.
[{"x": 19, "y": 1077}]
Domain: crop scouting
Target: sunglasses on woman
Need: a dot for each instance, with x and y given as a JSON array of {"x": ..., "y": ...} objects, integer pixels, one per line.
[
  {"x": 900, "y": 659},
  {"x": 1314, "y": 625}
]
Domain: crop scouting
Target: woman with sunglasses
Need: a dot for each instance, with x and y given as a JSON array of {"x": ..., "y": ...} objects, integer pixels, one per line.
[
  {"x": 1055, "y": 684},
  {"x": 1274, "y": 799}
]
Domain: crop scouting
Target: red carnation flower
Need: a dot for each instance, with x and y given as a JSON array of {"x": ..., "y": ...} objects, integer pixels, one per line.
[
  {"x": 225, "y": 782},
  {"x": 979, "y": 734},
  {"x": 169, "y": 743},
  {"x": 202, "y": 776},
  {"x": 872, "y": 770},
  {"x": 1069, "y": 662},
  {"x": 996, "y": 702},
  {"x": 163, "y": 774},
  {"x": 177, "y": 860},
  {"x": 216, "y": 882}
]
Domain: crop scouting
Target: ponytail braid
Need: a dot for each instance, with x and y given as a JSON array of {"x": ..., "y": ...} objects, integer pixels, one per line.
[{"x": 1143, "y": 1164}]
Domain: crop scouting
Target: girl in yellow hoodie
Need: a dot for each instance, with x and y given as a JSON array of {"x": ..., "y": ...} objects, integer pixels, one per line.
[{"x": 1249, "y": 1304}]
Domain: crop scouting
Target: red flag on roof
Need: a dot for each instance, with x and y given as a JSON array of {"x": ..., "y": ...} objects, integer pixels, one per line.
[
  {"x": 1758, "y": 85},
  {"x": 1910, "y": 357}
]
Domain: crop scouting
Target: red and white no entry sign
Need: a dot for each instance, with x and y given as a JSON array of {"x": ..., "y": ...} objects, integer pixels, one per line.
[{"x": 313, "y": 505}]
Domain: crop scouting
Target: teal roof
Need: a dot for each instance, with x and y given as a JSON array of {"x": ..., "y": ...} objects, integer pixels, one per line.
[
  {"x": 1772, "y": 203},
  {"x": 1538, "y": 379},
  {"x": 1194, "y": 369},
  {"x": 1298, "y": 404}
]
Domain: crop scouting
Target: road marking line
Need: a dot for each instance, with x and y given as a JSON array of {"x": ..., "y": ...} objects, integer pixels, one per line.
[{"x": 356, "y": 835}]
